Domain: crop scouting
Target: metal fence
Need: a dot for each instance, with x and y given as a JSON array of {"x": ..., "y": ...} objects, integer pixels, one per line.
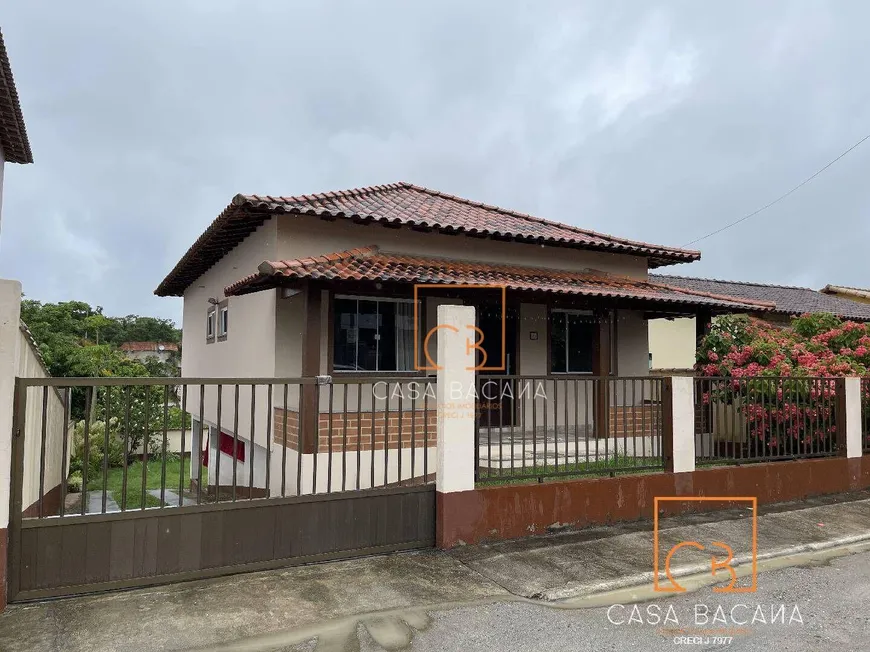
[
  {"x": 536, "y": 427},
  {"x": 764, "y": 419},
  {"x": 102, "y": 445}
]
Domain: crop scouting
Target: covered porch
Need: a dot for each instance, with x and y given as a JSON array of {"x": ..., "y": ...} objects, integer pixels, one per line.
[{"x": 579, "y": 337}]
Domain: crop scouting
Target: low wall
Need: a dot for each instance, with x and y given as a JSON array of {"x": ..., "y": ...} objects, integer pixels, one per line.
[
  {"x": 509, "y": 512},
  {"x": 354, "y": 429}
]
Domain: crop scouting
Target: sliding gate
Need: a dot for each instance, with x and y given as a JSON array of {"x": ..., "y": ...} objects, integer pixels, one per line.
[{"x": 128, "y": 482}]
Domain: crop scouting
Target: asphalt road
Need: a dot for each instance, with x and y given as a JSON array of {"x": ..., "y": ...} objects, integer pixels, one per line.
[{"x": 825, "y": 606}]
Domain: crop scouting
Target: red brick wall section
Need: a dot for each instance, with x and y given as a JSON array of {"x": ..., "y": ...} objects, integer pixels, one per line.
[
  {"x": 635, "y": 421},
  {"x": 350, "y": 430},
  {"x": 510, "y": 512}
]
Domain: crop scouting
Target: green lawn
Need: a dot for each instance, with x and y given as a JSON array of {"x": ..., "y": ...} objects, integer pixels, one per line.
[
  {"x": 621, "y": 464},
  {"x": 153, "y": 477}
]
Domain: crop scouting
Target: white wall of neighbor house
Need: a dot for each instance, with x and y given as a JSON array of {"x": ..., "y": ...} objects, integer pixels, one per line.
[
  {"x": 672, "y": 343},
  {"x": 346, "y": 468},
  {"x": 300, "y": 236},
  {"x": 248, "y": 473}
]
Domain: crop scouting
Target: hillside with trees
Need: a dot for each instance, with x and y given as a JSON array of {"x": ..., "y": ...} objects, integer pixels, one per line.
[{"x": 76, "y": 339}]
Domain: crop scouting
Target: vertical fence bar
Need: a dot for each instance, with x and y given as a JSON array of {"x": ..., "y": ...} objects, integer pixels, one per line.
[
  {"x": 269, "y": 442},
  {"x": 163, "y": 449},
  {"x": 251, "y": 459},
  {"x": 65, "y": 450},
  {"x": 203, "y": 445},
  {"x": 426, "y": 436},
  {"x": 329, "y": 441},
  {"x": 300, "y": 419},
  {"x": 220, "y": 432},
  {"x": 86, "y": 458},
  {"x": 414, "y": 397},
  {"x": 387, "y": 435},
  {"x": 105, "y": 464},
  {"x": 358, "y": 434},
  {"x": 146, "y": 441},
  {"x": 181, "y": 455},
  {"x": 317, "y": 435},
  {"x": 235, "y": 439},
  {"x": 126, "y": 461},
  {"x": 299, "y": 423},
  {"x": 43, "y": 437},
  {"x": 374, "y": 419},
  {"x": 344, "y": 438}
]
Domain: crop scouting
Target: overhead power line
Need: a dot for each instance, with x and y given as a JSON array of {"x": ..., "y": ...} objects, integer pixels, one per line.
[{"x": 778, "y": 199}]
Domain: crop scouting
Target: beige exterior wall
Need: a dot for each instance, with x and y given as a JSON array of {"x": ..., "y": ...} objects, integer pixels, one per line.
[
  {"x": 672, "y": 343},
  {"x": 300, "y": 236},
  {"x": 30, "y": 366}
]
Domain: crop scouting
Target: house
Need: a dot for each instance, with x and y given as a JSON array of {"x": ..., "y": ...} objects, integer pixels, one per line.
[
  {"x": 14, "y": 145},
  {"x": 332, "y": 284},
  {"x": 672, "y": 341},
  {"x": 162, "y": 351},
  {"x": 844, "y": 292}
]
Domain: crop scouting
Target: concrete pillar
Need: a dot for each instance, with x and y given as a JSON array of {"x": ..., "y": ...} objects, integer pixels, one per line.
[
  {"x": 678, "y": 436},
  {"x": 10, "y": 315},
  {"x": 854, "y": 445},
  {"x": 454, "y": 470}
]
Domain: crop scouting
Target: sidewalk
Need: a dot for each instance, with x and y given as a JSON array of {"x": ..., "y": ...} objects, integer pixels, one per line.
[{"x": 248, "y": 611}]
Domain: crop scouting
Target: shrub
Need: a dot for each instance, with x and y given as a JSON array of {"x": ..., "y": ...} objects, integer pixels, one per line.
[
  {"x": 97, "y": 450},
  {"x": 791, "y": 405}
]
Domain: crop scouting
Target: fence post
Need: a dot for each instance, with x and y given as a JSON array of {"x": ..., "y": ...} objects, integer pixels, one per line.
[
  {"x": 10, "y": 315},
  {"x": 849, "y": 405},
  {"x": 678, "y": 424},
  {"x": 455, "y": 405}
]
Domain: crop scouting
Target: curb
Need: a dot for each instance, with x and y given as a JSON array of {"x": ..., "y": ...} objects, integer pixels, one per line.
[{"x": 645, "y": 580}]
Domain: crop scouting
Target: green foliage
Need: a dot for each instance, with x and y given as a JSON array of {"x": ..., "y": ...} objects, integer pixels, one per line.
[
  {"x": 809, "y": 326},
  {"x": 74, "y": 482},
  {"x": 78, "y": 340},
  {"x": 97, "y": 449}
]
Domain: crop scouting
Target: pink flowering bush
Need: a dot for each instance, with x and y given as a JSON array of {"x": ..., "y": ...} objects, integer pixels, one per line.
[{"x": 782, "y": 378}]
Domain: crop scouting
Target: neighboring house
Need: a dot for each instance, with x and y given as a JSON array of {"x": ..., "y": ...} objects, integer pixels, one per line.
[
  {"x": 672, "y": 342},
  {"x": 314, "y": 285},
  {"x": 844, "y": 292},
  {"x": 162, "y": 351}
]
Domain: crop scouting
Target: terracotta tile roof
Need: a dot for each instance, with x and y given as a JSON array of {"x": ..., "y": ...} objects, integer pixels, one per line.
[
  {"x": 370, "y": 264},
  {"x": 788, "y": 299},
  {"x": 132, "y": 347},
  {"x": 13, "y": 135},
  {"x": 399, "y": 204}
]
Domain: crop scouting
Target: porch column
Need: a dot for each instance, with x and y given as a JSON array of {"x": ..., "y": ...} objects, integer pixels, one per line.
[
  {"x": 601, "y": 367},
  {"x": 311, "y": 337},
  {"x": 455, "y": 453},
  {"x": 678, "y": 424},
  {"x": 10, "y": 314},
  {"x": 703, "y": 321}
]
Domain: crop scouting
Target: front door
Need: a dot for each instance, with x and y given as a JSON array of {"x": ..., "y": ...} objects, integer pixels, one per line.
[{"x": 497, "y": 405}]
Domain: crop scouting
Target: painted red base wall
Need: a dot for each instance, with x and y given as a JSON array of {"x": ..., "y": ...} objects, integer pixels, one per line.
[{"x": 510, "y": 512}]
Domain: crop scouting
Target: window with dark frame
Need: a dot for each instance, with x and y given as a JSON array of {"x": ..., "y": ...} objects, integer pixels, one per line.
[
  {"x": 572, "y": 341},
  {"x": 373, "y": 334},
  {"x": 210, "y": 325},
  {"x": 223, "y": 317}
]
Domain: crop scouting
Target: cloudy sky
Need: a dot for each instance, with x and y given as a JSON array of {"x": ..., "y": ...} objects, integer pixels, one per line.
[{"x": 655, "y": 121}]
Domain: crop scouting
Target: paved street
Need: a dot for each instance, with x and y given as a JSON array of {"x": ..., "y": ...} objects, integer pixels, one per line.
[{"x": 832, "y": 600}]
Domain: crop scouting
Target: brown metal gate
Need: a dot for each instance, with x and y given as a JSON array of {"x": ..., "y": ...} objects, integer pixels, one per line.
[{"x": 54, "y": 552}]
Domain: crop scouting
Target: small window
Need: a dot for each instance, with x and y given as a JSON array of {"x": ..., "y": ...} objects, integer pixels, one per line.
[
  {"x": 209, "y": 326},
  {"x": 223, "y": 320},
  {"x": 572, "y": 341}
]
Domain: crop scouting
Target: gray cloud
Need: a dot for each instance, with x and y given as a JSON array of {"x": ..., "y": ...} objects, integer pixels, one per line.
[{"x": 653, "y": 121}]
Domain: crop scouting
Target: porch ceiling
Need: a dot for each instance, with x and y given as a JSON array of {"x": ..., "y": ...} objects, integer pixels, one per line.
[{"x": 371, "y": 264}]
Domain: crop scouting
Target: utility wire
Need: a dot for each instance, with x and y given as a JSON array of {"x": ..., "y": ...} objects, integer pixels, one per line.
[{"x": 780, "y": 198}]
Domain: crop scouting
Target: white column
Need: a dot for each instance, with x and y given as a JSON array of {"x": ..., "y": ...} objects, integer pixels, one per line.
[
  {"x": 455, "y": 400},
  {"x": 10, "y": 315},
  {"x": 683, "y": 411},
  {"x": 853, "y": 417}
]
